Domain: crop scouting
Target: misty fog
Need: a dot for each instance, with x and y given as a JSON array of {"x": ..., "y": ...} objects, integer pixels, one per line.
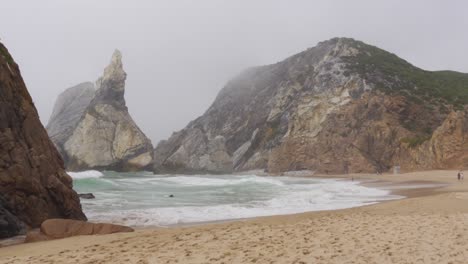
[{"x": 179, "y": 54}]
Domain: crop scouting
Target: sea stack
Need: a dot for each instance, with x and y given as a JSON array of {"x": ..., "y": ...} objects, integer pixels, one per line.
[
  {"x": 342, "y": 106},
  {"x": 68, "y": 109},
  {"x": 33, "y": 183},
  {"x": 104, "y": 137}
]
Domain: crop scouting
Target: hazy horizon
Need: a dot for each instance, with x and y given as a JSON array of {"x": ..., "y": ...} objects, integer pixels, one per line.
[{"x": 178, "y": 55}]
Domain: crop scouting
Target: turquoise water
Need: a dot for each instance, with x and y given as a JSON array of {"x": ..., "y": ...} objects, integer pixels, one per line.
[{"x": 144, "y": 199}]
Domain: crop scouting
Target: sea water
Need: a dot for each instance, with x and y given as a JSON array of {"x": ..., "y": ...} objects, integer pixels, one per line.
[{"x": 144, "y": 199}]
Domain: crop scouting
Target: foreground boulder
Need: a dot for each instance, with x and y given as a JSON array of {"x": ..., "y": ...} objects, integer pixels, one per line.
[
  {"x": 341, "y": 106},
  {"x": 62, "y": 228},
  {"x": 87, "y": 196},
  {"x": 33, "y": 183},
  {"x": 93, "y": 128}
]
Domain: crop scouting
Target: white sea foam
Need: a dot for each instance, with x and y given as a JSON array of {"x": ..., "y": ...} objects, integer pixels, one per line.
[
  {"x": 288, "y": 196},
  {"x": 85, "y": 174},
  {"x": 211, "y": 181}
]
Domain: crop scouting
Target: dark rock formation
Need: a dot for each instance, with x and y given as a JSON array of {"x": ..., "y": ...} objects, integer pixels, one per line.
[
  {"x": 10, "y": 225},
  {"x": 62, "y": 228},
  {"x": 87, "y": 196},
  {"x": 33, "y": 182},
  {"x": 96, "y": 130},
  {"x": 342, "y": 106}
]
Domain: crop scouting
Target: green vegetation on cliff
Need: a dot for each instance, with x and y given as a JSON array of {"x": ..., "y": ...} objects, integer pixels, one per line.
[
  {"x": 5, "y": 54},
  {"x": 392, "y": 74},
  {"x": 415, "y": 141}
]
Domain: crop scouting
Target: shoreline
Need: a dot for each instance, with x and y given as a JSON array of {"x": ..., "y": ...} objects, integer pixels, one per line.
[
  {"x": 363, "y": 181},
  {"x": 443, "y": 201},
  {"x": 409, "y": 190}
]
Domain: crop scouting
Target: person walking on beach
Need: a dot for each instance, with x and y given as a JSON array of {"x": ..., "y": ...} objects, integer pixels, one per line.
[{"x": 459, "y": 175}]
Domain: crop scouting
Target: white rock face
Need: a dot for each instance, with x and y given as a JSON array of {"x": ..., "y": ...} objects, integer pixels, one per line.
[
  {"x": 68, "y": 109},
  {"x": 105, "y": 136}
]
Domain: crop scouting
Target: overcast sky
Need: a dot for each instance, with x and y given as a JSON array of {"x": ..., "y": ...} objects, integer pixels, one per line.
[{"x": 179, "y": 54}]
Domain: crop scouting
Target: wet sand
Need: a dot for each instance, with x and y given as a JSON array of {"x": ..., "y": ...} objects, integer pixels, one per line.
[{"x": 429, "y": 227}]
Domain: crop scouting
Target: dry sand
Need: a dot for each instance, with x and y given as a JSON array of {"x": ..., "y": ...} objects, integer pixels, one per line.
[{"x": 429, "y": 228}]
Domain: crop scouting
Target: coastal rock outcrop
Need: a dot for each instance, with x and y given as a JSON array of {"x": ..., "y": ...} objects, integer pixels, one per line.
[
  {"x": 447, "y": 148},
  {"x": 342, "y": 106},
  {"x": 33, "y": 183},
  {"x": 68, "y": 109},
  {"x": 86, "y": 195},
  {"x": 62, "y": 228},
  {"x": 95, "y": 130}
]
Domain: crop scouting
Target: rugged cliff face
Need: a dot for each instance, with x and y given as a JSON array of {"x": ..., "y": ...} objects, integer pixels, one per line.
[
  {"x": 33, "y": 183},
  {"x": 446, "y": 148},
  {"x": 68, "y": 109},
  {"x": 93, "y": 128},
  {"x": 342, "y": 106}
]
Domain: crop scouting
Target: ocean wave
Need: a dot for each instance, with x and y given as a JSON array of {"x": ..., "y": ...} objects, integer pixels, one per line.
[
  {"x": 233, "y": 180},
  {"x": 85, "y": 174},
  {"x": 145, "y": 200},
  {"x": 294, "y": 199}
]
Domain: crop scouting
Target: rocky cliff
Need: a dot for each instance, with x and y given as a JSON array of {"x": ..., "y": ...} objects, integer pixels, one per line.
[
  {"x": 93, "y": 128},
  {"x": 33, "y": 183},
  {"x": 342, "y": 106},
  {"x": 68, "y": 109}
]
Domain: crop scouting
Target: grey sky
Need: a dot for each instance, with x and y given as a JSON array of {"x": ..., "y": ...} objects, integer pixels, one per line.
[{"x": 179, "y": 54}]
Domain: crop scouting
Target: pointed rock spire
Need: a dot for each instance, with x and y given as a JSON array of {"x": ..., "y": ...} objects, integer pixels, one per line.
[
  {"x": 106, "y": 137},
  {"x": 111, "y": 86}
]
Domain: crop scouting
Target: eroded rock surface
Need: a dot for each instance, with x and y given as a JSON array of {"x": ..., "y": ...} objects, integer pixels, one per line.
[
  {"x": 447, "y": 148},
  {"x": 33, "y": 183},
  {"x": 342, "y": 106},
  {"x": 68, "y": 109},
  {"x": 10, "y": 225},
  {"x": 104, "y": 136}
]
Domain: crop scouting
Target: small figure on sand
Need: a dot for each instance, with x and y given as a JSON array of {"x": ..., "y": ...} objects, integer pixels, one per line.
[{"x": 459, "y": 175}]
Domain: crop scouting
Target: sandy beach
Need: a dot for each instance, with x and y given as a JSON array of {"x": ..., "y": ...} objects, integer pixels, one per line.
[{"x": 431, "y": 226}]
